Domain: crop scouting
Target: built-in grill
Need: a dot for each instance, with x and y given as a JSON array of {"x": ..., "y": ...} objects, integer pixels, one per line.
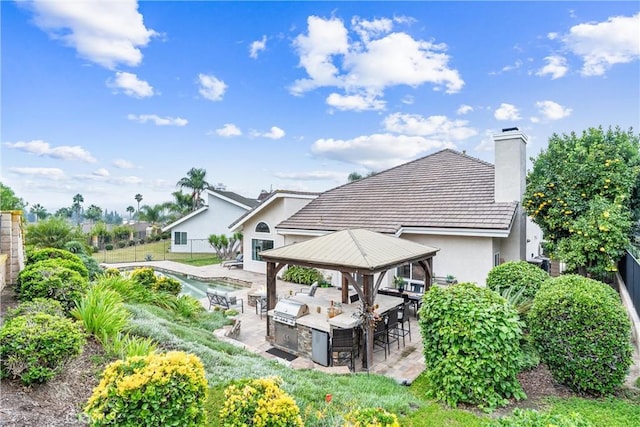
[{"x": 288, "y": 311}]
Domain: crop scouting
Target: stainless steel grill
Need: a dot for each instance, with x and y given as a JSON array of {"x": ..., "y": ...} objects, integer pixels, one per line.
[{"x": 288, "y": 311}]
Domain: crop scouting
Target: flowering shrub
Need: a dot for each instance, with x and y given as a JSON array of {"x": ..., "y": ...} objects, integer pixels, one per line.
[
  {"x": 156, "y": 390},
  {"x": 167, "y": 284},
  {"x": 471, "y": 345},
  {"x": 259, "y": 403},
  {"x": 371, "y": 417},
  {"x": 35, "y": 347},
  {"x": 582, "y": 333}
]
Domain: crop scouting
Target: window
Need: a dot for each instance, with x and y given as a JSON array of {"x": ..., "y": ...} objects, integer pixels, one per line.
[
  {"x": 412, "y": 274},
  {"x": 258, "y": 246},
  {"x": 496, "y": 259},
  {"x": 180, "y": 238},
  {"x": 262, "y": 228}
]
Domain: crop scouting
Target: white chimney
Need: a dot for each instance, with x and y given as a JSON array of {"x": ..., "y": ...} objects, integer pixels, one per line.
[{"x": 510, "y": 184}]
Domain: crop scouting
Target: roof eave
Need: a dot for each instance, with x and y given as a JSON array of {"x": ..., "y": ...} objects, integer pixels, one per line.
[
  {"x": 253, "y": 212},
  {"x": 447, "y": 231},
  {"x": 184, "y": 218}
]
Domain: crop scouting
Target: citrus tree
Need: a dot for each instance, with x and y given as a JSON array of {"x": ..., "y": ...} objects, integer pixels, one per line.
[{"x": 583, "y": 192}]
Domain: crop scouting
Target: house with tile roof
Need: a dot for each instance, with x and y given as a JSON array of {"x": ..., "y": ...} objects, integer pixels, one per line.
[
  {"x": 191, "y": 232},
  {"x": 258, "y": 226},
  {"x": 468, "y": 208}
]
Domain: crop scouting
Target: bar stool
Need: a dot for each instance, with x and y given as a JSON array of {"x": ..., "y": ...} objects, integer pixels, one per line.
[
  {"x": 392, "y": 328},
  {"x": 403, "y": 317}
]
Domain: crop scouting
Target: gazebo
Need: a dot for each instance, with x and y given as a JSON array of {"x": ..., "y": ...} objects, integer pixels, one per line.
[{"x": 352, "y": 252}]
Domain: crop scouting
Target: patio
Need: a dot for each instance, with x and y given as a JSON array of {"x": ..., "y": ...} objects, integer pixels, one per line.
[{"x": 403, "y": 365}]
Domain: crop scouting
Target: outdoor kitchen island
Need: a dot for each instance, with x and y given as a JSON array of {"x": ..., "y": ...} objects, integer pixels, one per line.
[{"x": 307, "y": 330}]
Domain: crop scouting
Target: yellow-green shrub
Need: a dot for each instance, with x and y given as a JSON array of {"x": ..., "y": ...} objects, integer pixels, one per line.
[
  {"x": 154, "y": 390},
  {"x": 371, "y": 417},
  {"x": 259, "y": 403},
  {"x": 145, "y": 276},
  {"x": 167, "y": 284}
]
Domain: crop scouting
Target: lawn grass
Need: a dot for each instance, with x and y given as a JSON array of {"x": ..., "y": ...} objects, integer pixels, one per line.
[
  {"x": 155, "y": 251},
  {"x": 605, "y": 412}
]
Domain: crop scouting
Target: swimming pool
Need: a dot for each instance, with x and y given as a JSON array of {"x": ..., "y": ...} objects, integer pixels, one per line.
[{"x": 198, "y": 288}]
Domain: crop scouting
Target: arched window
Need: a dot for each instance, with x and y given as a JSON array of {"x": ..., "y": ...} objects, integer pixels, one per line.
[{"x": 262, "y": 228}]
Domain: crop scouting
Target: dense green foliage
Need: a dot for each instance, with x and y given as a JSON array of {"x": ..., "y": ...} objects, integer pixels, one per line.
[
  {"x": 101, "y": 312},
  {"x": 154, "y": 390},
  {"x": 516, "y": 275},
  {"x": 167, "y": 284},
  {"x": 471, "y": 345},
  {"x": 53, "y": 232},
  {"x": 144, "y": 276},
  {"x": 58, "y": 283},
  {"x": 8, "y": 199},
  {"x": 303, "y": 275},
  {"x": 36, "y": 305},
  {"x": 371, "y": 417},
  {"x": 584, "y": 193},
  {"x": 45, "y": 254},
  {"x": 260, "y": 403},
  {"x": 76, "y": 266},
  {"x": 582, "y": 333},
  {"x": 35, "y": 347},
  {"x": 532, "y": 418}
]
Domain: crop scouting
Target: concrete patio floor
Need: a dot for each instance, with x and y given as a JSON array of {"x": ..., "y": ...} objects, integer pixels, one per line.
[{"x": 403, "y": 365}]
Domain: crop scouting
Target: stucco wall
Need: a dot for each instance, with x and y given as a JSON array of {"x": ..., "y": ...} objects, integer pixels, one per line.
[{"x": 214, "y": 220}]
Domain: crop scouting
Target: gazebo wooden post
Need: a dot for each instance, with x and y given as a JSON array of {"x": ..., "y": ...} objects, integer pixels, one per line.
[
  {"x": 271, "y": 290},
  {"x": 367, "y": 284},
  {"x": 345, "y": 289},
  {"x": 425, "y": 265}
]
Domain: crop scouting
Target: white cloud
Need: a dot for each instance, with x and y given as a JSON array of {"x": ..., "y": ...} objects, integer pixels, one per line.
[
  {"x": 534, "y": 119},
  {"x": 43, "y": 149},
  {"x": 408, "y": 99},
  {"x": 123, "y": 164},
  {"x": 157, "y": 120},
  {"x": 313, "y": 176},
  {"x": 131, "y": 85},
  {"x": 486, "y": 143},
  {"x": 228, "y": 130},
  {"x": 274, "y": 133},
  {"x": 552, "y": 36},
  {"x": 464, "y": 109},
  {"x": 49, "y": 173},
  {"x": 101, "y": 172},
  {"x": 125, "y": 180},
  {"x": 507, "y": 112},
  {"x": 211, "y": 87},
  {"x": 355, "y": 102},
  {"x": 257, "y": 46},
  {"x": 556, "y": 67},
  {"x": 507, "y": 68},
  {"x": 377, "y": 151},
  {"x": 103, "y": 31},
  {"x": 437, "y": 127},
  {"x": 552, "y": 110},
  {"x": 373, "y": 59},
  {"x": 604, "y": 44}
]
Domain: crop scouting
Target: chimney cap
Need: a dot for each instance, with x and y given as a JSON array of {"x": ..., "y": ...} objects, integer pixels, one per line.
[{"x": 515, "y": 128}]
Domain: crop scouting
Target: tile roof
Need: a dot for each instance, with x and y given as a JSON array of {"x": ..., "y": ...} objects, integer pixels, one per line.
[
  {"x": 446, "y": 189},
  {"x": 267, "y": 199},
  {"x": 236, "y": 197}
]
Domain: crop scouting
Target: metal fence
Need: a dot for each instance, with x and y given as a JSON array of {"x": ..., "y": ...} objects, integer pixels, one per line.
[
  {"x": 629, "y": 268},
  {"x": 155, "y": 251}
]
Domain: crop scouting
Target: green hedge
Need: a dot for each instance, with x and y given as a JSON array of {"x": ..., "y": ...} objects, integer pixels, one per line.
[
  {"x": 582, "y": 333},
  {"x": 50, "y": 281},
  {"x": 516, "y": 275}
]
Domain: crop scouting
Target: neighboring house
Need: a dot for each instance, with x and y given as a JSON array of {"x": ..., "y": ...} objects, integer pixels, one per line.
[
  {"x": 258, "y": 226},
  {"x": 470, "y": 209},
  {"x": 191, "y": 232}
]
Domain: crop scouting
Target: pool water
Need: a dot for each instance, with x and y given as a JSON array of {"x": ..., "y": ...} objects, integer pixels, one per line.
[{"x": 198, "y": 288}]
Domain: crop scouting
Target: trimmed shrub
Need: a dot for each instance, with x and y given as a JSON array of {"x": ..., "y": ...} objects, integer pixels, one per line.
[
  {"x": 92, "y": 265},
  {"x": 58, "y": 283},
  {"x": 108, "y": 247},
  {"x": 371, "y": 417},
  {"x": 101, "y": 312},
  {"x": 35, "y": 347},
  {"x": 533, "y": 418},
  {"x": 76, "y": 266},
  {"x": 516, "y": 275},
  {"x": 471, "y": 346},
  {"x": 167, "y": 284},
  {"x": 122, "y": 244},
  {"x": 144, "y": 276},
  {"x": 75, "y": 247},
  {"x": 582, "y": 333},
  {"x": 259, "y": 403},
  {"x": 37, "y": 305},
  {"x": 111, "y": 272},
  {"x": 49, "y": 253},
  {"x": 158, "y": 389},
  {"x": 303, "y": 275}
]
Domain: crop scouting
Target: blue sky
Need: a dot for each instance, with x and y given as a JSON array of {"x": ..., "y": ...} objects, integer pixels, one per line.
[{"x": 110, "y": 99}]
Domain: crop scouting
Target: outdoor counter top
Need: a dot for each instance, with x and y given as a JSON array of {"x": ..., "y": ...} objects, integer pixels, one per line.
[{"x": 346, "y": 319}]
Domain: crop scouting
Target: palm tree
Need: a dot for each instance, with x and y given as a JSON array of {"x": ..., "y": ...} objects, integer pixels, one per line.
[
  {"x": 138, "y": 198},
  {"x": 196, "y": 181},
  {"x": 154, "y": 215},
  {"x": 77, "y": 206},
  {"x": 39, "y": 211},
  {"x": 93, "y": 213},
  {"x": 131, "y": 210}
]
